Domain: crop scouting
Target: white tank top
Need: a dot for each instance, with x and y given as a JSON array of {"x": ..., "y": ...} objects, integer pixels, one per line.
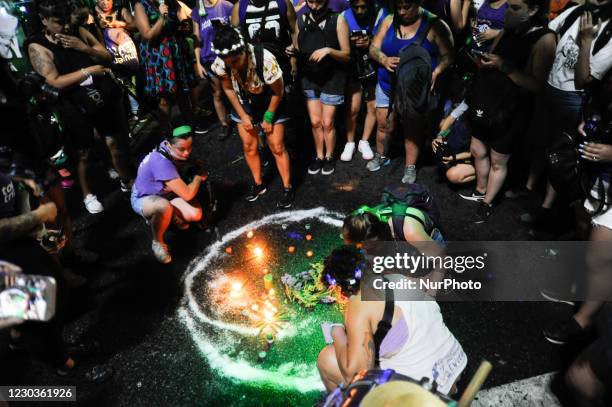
[{"x": 431, "y": 349}]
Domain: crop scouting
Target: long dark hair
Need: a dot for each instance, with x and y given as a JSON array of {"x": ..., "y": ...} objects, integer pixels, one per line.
[
  {"x": 394, "y": 4},
  {"x": 344, "y": 268},
  {"x": 370, "y": 13},
  {"x": 541, "y": 17}
]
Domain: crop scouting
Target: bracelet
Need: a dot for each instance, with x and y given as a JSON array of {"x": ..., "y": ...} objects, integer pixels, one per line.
[
  {"x": 86, "y": 73},
  {"x": 444, "y": 133},
  {"x": 269, "y": 117}
]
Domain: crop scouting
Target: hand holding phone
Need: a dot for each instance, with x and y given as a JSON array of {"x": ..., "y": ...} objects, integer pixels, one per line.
[
  {"x": 479, "y": 54},
  {"x": 26, "y": 297}
]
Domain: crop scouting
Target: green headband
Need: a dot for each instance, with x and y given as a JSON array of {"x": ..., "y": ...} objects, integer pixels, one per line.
[
  {"x": 181, "y": 131},
  {"x": 365, "y": 208}
]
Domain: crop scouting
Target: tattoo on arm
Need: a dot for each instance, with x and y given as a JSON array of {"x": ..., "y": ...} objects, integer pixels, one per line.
[
  {"x": 370, "y": 350},
  {"x": 40, "y": 62},
  {"x": 17, "y": 226},
  {"x": 376, "y": 54}
]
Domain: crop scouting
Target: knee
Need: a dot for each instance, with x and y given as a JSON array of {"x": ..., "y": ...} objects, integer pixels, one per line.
[
  {"x": 328, "y": 125},
  {"x": 478, "y": 152},
  {"x": 583, "y": 381},
  {"x": 316, "y": 123},
  {"x": 112, "y": 144},
  {"x": 454, "y": 176},
  {"x": 250, "y": 148},
  {"x": 217, "y": 93},
  {"x": 162, "y": 206},
  {"x": 277, "y": 148},
  {"x": 326, "y": 360},
  {"x": 498, "y": 166},
  {"x": 193, "y": 215}
]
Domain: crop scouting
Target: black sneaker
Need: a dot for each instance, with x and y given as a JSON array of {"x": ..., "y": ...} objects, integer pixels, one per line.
[
  {"x": 315, "y": 166},
  {"x": 255, "y": 191},
  {"x": 474, "y": 196},
  {"x": 557, "y": 295},
  {"x": 329, "y": 166},
  {"x": 563, "y": 332},
  {"x": 286, "y": 199},
  {"x": 483, "y": 212}
]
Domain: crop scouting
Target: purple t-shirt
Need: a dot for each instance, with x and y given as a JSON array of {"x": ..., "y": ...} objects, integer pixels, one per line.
[
  {"x": 337, "y": 6},
  {"x": 489, "y": 17},
  {"x": 221, "y": 11},
  {"x": 154, "y": 170}
]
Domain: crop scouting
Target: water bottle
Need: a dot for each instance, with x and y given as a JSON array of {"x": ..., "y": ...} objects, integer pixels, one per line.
[{"x": 201, "y": 9}]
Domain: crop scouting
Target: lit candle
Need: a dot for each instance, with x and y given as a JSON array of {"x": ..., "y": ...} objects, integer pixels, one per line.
[
  {"x": 309, "y": 253},
  {"x": 291, "y": 249},
  {"x": 308, "y": 237},
  {"x": 250, "y": 234},
  {"x": 268, "y": 279}
]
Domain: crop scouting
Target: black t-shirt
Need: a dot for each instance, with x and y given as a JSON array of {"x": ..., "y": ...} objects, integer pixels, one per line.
[{"x": 8, "y": 197}]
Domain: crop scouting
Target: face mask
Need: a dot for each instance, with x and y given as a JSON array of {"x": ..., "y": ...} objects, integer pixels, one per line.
[
  {"x": 319, "y": 12},
  {"x": 515, "y": 21}
]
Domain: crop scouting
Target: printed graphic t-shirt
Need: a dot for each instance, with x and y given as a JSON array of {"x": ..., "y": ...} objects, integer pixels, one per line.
[{"x": 563, "y": 70}]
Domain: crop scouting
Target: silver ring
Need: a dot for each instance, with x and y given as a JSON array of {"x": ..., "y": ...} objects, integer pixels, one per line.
[{"x": 594, "y": 158}]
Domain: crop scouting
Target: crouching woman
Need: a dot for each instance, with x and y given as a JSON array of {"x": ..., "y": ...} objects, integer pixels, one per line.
[{"x": 161, "y": 196}]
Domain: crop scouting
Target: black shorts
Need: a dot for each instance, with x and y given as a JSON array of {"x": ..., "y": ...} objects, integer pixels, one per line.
[
  {"x": 502, "y": 138},
  {"x": 110, "y": 121}
]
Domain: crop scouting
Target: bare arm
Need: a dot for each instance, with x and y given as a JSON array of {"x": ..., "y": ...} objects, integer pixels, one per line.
[
  {"x": 459, "y": 11},
  {"x": 542, "y": 57},
  {"x": 22, "y": 225},
  {"x": 375, "y": 53},
  {"x": 292, "y": 19},
  {"x": 182, "y": 190},
  {"x": 147, "y": 31},
  {"x": 42, "y": 62},
  {"x": 355, "y": 349},
  {"x": 586, "y": 35},
  {"x": 278, "y": 88},
  {"x": 444, "y": 41},
  {"x": 130, "y": 25},
  {"x": 94, "y": 48},
  {"x": 235, "y": 19},
  {"x": 231, "y": 95},
  {"x": 344, "y": 53},
  {"x": 184, "y": 12}
]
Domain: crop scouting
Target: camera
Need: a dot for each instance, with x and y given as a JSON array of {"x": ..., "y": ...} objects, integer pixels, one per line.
[{"x": 34, "y": 85}]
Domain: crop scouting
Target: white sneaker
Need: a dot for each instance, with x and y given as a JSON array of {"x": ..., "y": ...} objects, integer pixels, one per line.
[
  {"x": 349, "y": 150},
  {"x": 161, "y": 253},
  {"x": 365, "y": 150},
  {"x": 92, "y": 204}
]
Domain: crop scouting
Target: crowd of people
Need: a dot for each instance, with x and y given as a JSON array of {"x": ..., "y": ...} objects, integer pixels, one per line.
[{"x": 490, "y": 86}]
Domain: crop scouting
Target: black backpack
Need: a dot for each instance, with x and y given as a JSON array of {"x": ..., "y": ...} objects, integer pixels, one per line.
[
  {"x": 417, "y": 196},
  {"x": 410, "y": 92}
]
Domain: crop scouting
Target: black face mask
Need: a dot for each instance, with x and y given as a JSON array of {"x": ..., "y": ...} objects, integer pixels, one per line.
[{"x": 317, "y": 14}]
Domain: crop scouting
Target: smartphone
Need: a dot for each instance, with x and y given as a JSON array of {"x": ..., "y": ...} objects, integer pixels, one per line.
[
  {"x": 359, "y": 33},
  {"x": 28, "y": 297}
]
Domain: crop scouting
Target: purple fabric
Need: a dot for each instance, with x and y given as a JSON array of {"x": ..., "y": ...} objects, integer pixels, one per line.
[
  {"x": 154, "y": 170},
  {"x": 488, "y": 17},
  {"x": 337, "y": 6},
  {"x": 221, "y": 11},
  {"x": 395, "y": 338}
]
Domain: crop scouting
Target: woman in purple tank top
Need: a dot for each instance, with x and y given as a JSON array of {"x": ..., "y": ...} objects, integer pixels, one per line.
[{"x": 489, "y": 22}]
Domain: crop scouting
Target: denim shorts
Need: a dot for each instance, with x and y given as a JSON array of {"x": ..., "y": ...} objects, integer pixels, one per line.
[
  {"x": 382, "y": 99},
  {"x": 326, "y": 98},
  {"x": 137, "y": 203}
]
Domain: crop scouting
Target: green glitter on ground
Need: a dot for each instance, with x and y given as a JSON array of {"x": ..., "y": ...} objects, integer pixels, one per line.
[{"x": 292, "y": 355}]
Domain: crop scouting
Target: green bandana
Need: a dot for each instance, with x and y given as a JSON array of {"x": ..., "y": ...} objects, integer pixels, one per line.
[{"x": 181, "y": 131}]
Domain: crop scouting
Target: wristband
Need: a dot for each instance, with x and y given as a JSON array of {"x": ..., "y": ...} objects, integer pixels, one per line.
[
  {"x": 269, "y": 117},
  {"x": 444, "y": 133}
]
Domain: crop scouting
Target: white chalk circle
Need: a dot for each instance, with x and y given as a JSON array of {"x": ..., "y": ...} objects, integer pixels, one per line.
[{"x": 289, "y": 376}]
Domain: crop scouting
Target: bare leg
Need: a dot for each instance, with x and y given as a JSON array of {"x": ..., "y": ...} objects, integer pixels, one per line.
[
  {"x": 82, "y": 169},
  {"x": 120, "y": 159},
  {"x": 461, "y": 174},
  {"x": 352, "y": 111},
  {"x": 370, "y": 120},
  {"x": 277, "y": 147},
  {"x": 218, "y": 100},
  {"x": 251, "y": 155},
  {"x": 551, "y": 196},
  {"x": 497, "y": 175},
  {"x": 381, "y": 131},
  {"x": 481, "y": 164},
  {"x": 159, "y": 213},
  {"x": 329, "y": 130},
  {"x": 189, "y": 211},
  {"x": 165, "y": 109},
  {"x": 327, "y": 363},
  {"x": 412, "y": 143},
  {"x": 315, "y": 111},
  {"x": 599, "y": 275}
]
